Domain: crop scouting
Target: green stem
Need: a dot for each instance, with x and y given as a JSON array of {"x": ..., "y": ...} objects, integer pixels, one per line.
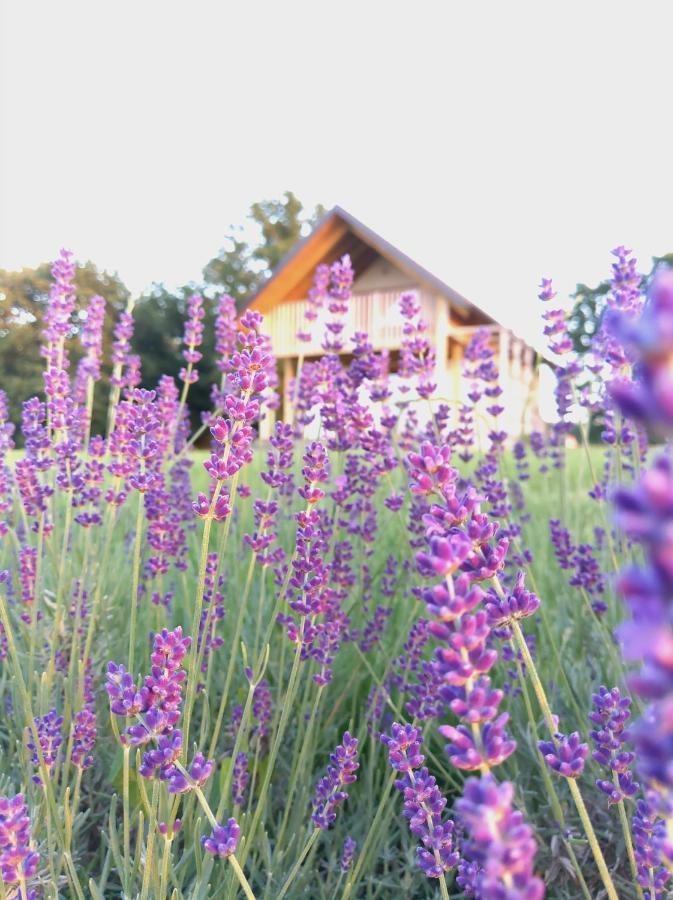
[
  {"x": 297, "y": 866},
  {"x": 205, "y": 806},
  {"x": 593, "y": 842},
  {"x": 126, "y": 813},
  {"x": 628, "y": 840},
  {"x": 196, "y": 618},
  {"x": 557, "y": 809},
  {"x": 233, "y": 656},
  {"x": 574, "y": 789},
  {"x": 151, "y": 831},
  {"x": 135, "y": 584},
  {"x": 242, "y": 880},
  {"x": 298, "y": 766},
  {"x": 36, "y": 602},
  {"x": 282, "y": 725},
  {"x": 371, "y": 834},
  {"x": 163, "y": 884}
]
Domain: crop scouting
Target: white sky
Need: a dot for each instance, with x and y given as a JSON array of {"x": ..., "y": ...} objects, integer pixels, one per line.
[{"x": 494, "y": 142}]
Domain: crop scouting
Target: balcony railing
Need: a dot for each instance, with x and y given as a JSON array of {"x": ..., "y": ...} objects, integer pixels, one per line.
[{"x": 375, "y": 312}]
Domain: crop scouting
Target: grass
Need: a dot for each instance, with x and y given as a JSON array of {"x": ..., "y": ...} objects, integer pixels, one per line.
[{"x": 575, "y": 654}]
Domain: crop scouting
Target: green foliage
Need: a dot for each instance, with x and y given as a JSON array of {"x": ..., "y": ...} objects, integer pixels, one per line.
[
  {"x": 586, "y": 314},
  {"x": 159, "y": 324},
  {"x": 239, "y": 268},
  {"x": 590, "y": 302}
]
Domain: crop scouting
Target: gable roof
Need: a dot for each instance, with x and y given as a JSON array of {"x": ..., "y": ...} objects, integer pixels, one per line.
[{"x": 333, "y": 236}]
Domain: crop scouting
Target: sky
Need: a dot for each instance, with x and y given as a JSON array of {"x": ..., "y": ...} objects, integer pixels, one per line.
[{"x": 493, "y": 142}]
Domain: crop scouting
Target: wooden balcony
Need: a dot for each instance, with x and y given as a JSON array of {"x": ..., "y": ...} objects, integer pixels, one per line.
[{"x": 376, "y": 312}]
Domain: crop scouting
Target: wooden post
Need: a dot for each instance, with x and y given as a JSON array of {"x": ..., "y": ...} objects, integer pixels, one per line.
[
  {"x": 287, "y": 374},
  {"x": 440, "y": 308}
]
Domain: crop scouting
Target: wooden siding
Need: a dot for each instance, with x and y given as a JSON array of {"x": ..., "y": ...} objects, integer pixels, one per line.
[{"x": 374, "y": 312}]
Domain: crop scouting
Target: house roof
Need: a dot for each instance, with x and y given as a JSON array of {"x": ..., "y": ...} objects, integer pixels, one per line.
[
  {"x": 336, "y": 233},
  {"x": 332, "y": 237}
]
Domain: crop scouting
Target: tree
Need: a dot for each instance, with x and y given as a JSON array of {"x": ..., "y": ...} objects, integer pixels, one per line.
[
  {"x": 158, "y": 315},
  {"x": 587, "y": 313},
  {"x": 159, "y": 318},
  {"x": 23, "y": 299},
  {"x": 590, "y": 303},
  {"x": 239, "y": 268}
]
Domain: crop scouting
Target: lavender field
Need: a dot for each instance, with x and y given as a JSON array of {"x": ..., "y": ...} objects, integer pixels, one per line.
[{"x": 414, "y": 657}]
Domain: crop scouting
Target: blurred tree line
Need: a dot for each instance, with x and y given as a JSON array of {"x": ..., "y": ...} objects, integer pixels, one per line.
[
  {"x": 590, "y": 303},
  {"x": 585, "y": 320},
  {"x": 238, "y": 269}
]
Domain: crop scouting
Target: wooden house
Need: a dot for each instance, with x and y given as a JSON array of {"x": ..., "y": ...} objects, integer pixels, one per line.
[{"x": 382, "y": 274}]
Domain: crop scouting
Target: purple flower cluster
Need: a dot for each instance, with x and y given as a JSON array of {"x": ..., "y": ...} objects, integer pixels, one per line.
[
  {"x": 156, "y": 709},
  {"x": 610, "y": 714},
  {"x": 315, "y": 299},
  {"x": 649, "y": 836},
  {"x": 566, "y": 754},
  {"x": 193, "y": 338},
  {"x": 587, "y": 574},
  {"x": 121, "y": 347},
  {"x": 347, "y": 854},
  {"x": 233, "y": 433},
  {"x": 18, "y": 859},
  {"x": 555, "y": 321},
  {"x": 417, "y": 353},
  {"x": 50, "y": 735},
  {"x": 223, "y": 840},
  {"x": 338, "y": 297},
  {"x": 225, "y": 331},
  {"x": 240, "y": 779},
  {"x": 89, "y": 366},
  {"x": 500, "y": 851},
  {"x": 329, "y": 791},
  {"x": 84, "y": 738},
  {"x": 423, "y": 801},
  {"x": 461, "y": 549}
]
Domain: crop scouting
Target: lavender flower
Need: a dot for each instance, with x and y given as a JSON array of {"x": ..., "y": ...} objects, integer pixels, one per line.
[
  {"x": 329, "y": 791},
  {"x": 518, "y": 604},
  {"x": 649, "y": 833},
  {"x": 50, "y": 737},
  {"x": 610, "y": 714},
  {"x": 199, "y": 772},
  {"x": 651, "y": 338},
  {"x": 84, "y": 738},
  {"x": 192, "y": 339},
  {"x": 423, "y": 802},
  {"x": 566, "y": 754},
  {"x": 18, "y": 861},
  {"x": 240, "y": 779},
  {"x": 501, "y": 846},
  {"x": 347, "y": 854},
  {"x": 223, "y": 841}
]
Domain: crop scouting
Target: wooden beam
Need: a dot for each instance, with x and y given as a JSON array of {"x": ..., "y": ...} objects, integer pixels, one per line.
[{"x": 310, "y": 254}]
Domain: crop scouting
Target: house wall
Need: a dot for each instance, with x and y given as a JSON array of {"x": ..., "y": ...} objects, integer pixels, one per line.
[{"x": 373, "y": 309}]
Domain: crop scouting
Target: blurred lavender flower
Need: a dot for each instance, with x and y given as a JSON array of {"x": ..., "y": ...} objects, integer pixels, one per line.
[
  {"x": 501, "y": 847},
  {"x": 347, "y": 854},
  {"x": 18, "y": 860}
]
